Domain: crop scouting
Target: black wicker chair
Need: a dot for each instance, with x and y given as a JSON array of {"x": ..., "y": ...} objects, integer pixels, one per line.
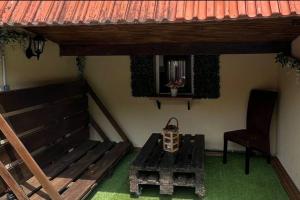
[{"x": 256, "y": 135}]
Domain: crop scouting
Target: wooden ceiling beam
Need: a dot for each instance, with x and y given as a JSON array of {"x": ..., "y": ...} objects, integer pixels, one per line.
[
  {"x": 174, "y": 48},
  {"x": 238, "y": 31}
]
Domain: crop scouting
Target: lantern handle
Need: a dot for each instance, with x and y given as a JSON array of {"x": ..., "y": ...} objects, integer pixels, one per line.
[{"x": 172, "y": 118}]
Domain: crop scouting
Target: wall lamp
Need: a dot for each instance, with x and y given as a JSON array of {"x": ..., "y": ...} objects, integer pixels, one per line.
[{"x": 37, "y": 43}]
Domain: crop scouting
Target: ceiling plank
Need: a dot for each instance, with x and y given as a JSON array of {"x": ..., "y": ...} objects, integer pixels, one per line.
[
  {"x": 242, "y": 31},
  {"x": 174, "y": 49}
]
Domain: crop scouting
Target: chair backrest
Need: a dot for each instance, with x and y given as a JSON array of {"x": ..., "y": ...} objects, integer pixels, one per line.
[{"x": 260, "y": 109}]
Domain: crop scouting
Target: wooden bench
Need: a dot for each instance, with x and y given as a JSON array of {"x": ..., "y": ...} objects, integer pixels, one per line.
[
  {"x": 53, "y": 123},
  {"x": 154, "y": 166}
]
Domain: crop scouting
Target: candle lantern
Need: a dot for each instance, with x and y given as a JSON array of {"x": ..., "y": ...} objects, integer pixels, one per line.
[{"x": 171, "y": 136}]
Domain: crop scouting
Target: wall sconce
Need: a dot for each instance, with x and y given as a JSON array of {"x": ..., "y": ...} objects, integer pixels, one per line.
[{"x": 38, "y": 46}]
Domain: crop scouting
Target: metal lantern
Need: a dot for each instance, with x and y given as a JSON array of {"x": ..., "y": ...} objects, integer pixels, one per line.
[
  {"x": 38, "y": 46},
  {"x": 171, "y": 136}
]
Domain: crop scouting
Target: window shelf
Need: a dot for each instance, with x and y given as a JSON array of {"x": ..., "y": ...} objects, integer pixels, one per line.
[{"x": 160, "y": 99}]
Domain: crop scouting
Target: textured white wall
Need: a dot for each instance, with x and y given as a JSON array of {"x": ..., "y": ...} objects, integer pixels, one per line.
[
  {"x": 51, "y": 68},
  {"x": 288, "y": 148},
  {"x": 139, "y": 117}
]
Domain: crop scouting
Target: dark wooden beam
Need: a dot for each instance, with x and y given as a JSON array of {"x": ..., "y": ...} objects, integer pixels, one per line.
[
  {"x": 174, "y": 49},
  {"x": 108, "y": 115},
  {"x": 99, "y": 130},
  {"x": 271, "y": 29}
]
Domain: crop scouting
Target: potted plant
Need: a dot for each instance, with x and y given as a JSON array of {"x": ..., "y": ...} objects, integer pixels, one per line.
[{"x": 174, "y": 85}]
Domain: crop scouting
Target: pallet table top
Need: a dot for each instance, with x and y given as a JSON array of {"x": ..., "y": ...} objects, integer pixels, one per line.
[
  {"x": 190, "y": 156},
  {"x": 154, "y": 166}
]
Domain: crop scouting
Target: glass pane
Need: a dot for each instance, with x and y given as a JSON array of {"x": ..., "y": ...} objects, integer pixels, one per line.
[{"x": 175, "y": 72}]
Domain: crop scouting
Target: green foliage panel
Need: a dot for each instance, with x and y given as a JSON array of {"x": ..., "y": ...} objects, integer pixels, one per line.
[
  {"x": 206, "y": 76},
  {"x": 142, "y": 76}
]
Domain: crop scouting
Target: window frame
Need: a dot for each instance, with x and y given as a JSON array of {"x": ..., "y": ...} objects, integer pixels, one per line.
[{"x": 157, "y": 76}]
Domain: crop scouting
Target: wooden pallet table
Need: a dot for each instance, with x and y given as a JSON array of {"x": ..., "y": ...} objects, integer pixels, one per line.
[{"x": 154, "y": 166}]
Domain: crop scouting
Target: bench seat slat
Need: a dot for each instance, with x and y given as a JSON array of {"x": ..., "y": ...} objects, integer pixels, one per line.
[
  {"x": 32, "y": 184},
  {"x": 83, "y": 185},
  {"x": 66, "y": 177}
]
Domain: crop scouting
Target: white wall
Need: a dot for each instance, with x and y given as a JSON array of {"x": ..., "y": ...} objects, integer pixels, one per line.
[
  {"x": 51, "y": 68},
  {"x": 139, "y": 117},
  {"x": 288, "y": 147},
  {"x": 288, "y": 124}
]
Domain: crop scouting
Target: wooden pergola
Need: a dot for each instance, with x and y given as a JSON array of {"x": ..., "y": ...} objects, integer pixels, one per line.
[{"x": 269, "y": 35}]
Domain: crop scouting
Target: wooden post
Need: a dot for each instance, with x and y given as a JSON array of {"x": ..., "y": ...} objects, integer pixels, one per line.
[
  {"x": 27, "y": 158},
  {"x": 99, "y": 129},
  {"x": 11, "y": 182},
  {"x": 107, "y": 114}
]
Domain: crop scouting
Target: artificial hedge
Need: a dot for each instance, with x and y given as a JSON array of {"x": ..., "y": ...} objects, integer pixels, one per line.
[
  {"x": 142, "y": 76},
  {"x": 206, "y": 76}
]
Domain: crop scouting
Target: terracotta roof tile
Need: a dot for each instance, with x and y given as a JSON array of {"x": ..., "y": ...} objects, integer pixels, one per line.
[
  {"x": 30, "y": 13},
  {"x": 265, "y": 8},
  {"x": 202, "y": 10},
  {"x": 284, "y": 7},
  {"x": 233, "y": 9},
  {"x": 292, "y": 6},
  {"x": 98, "y": 12},
  {"x": 219, "y": 9},
  {"x": 80, "y": 12},
  {"x": 189, "y": 10},
  {"x": 297, "y": 7},
  {"x": 210, "y": 10},
  {"x": 251, "y": 8},
  {"x": 274, "y": 7},
  {"x": 161, "y": 11}
]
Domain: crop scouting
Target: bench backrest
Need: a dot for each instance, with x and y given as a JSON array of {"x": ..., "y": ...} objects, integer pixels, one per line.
[{"x": 50, "y": 120}]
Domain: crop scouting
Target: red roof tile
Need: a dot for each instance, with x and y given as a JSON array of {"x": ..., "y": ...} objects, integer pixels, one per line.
[{"x": 98, "y": 12}]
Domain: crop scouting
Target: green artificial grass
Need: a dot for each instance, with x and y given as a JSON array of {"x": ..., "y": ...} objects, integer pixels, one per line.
[{"x": 222, "y": 182}]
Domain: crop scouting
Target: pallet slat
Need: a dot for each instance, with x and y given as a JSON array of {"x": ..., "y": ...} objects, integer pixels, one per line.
[
  {"x": 182, "y": 158},
  {"x": 146, "y": 150},
  {"x": 32, "y": 184},
  {"x": 48, "y": 135},
  {"x": 154, "y": 158},
  {"x": 51, "y": 154},
  {"x": 80, "y": 187},
  {"x": 10, "y": 100},
  {"x": 67, "y": 176},
  {"x": 198, "y": 154},
  {"x": 66, "y": 117},
  {"x": 47, "y": 114},
  {"x": 154, "y": 166},
  {"x": 52, "y": 122},
  {"x": 57, "y": 149},
  {"x": 27, "y": 158}
]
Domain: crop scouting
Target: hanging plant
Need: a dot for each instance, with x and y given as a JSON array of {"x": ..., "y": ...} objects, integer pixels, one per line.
[
  {"x": 11, "y": 36},
  {"x": 288, "y": 61}
]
